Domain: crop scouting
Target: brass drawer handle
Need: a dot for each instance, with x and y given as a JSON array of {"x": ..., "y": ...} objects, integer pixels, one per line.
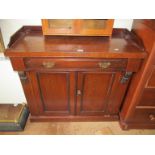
[
  {"x": 152, "y": 117},
  {"x": 104, "y": 65},
  {"x": 48, "y": 64}
]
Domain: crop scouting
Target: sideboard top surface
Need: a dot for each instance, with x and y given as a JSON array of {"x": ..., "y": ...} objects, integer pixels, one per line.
[{"x": 30, "y": 42}]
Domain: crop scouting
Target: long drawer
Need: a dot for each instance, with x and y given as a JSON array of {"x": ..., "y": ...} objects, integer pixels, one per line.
[
  {"x": 148, "y": 95},
  {"x": 52, "y": 64},
  {"x": 144, "y": 115}
]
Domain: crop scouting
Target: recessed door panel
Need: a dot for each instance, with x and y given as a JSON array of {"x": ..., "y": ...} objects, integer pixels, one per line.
[
  {"x": 99, "y": 93},
  {"x": 56, "y": 92},
  {"x": 95, "y": 90}
]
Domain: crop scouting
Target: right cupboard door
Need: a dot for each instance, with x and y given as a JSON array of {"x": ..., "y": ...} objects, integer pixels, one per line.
[{"x": 99, "y": 93}]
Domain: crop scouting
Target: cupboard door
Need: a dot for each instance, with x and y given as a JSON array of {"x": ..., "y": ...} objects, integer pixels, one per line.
[
  {"x": 56, "y": 92},
  {"x": 96, "y": 27},
  {"x": 99, "y": 93},
  {"x": 60, "y": 26}
]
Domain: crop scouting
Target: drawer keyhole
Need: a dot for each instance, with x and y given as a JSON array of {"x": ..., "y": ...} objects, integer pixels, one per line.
[{"x": 78, "y": 92}]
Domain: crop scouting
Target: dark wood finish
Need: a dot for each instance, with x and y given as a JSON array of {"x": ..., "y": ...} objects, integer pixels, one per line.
[
  {"x": 75, "y": 64},
  {"x": 143, "y": 115},
  {"x": 151, "y": 80},
  {"x": 134, "y": 65},
  {"x": 29, "y": 42},
  {"x": 149, "y": 22},
  {"x": 74, "y": 118},
  {"x": 97, "y": 93},
  {"x": 54, "y": 92},
  {"x": 78, "y": 27},
  {"x": 31, "y": 92},
  {"x": 145, "y": 33},
  {"x": 15, "y": 64},
  {"x": 148, "y": 97},
  {"x": 62, "y": 74},
  {"x": 140, "y": 101},
  {"x": 93, "y": 92}
]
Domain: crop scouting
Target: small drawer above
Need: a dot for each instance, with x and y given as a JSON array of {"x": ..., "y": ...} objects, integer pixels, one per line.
[{"x": 53, "y": 64}]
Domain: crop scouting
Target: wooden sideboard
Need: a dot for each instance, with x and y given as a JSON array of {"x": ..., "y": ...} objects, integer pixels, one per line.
[
  {"x": 139, "y": 107},
  {"x": 75, "y": 78}
]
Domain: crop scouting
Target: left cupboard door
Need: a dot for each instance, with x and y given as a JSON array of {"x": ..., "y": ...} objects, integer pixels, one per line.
[{"x": 54, "y": 91}]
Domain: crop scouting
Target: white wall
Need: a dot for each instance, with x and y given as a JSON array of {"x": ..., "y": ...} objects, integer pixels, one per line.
[
  {"x": 10, "y": 86},
  {"x": 10, "y": 26},
  {"x": 123, "y": 23}
]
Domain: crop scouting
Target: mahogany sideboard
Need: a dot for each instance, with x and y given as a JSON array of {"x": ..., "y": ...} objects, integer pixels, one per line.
[
  {"x": 139, "y": 106},
  {"x": 67, "y": 78}
]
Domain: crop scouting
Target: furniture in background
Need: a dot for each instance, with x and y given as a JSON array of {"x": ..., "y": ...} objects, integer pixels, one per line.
[
  {"x": 13, "y": 118},
  {"x": 139, "y": 107},
  {"x": 70, "y": 78}
]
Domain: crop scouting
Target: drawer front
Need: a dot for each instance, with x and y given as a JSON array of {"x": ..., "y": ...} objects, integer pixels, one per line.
[
  {"x": 148, "y": 97},
  {"x": 144, "y": 115},
  {"x": 151, "y": 80},
  {"x": 57, "y": 64}
]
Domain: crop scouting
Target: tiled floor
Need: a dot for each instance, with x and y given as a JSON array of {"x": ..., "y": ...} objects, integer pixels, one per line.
[
  {"x": 77, "y": 128},
  {"x": 67, "y": 128}
]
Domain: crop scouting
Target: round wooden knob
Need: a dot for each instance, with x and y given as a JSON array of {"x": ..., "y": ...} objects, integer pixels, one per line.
[{"x": 152, "y": 117}]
